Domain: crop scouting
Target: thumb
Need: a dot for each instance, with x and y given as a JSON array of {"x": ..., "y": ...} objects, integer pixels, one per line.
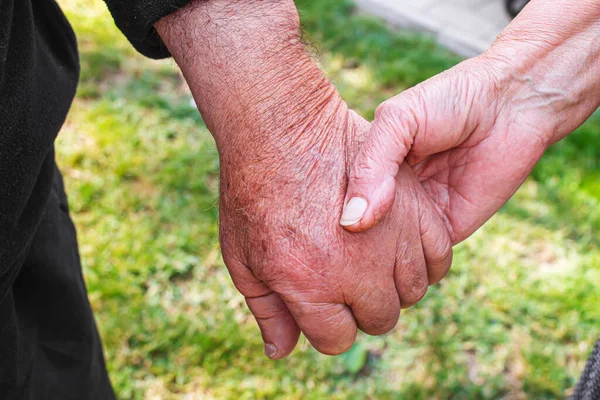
[
  {"x": 278, "y": 328},
  {"x": 372, "y": 182},
  {"x": 277, "y": 325}
]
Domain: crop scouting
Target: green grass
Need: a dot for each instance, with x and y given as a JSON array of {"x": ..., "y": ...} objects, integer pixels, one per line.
[{"x": 516, "y": 316}]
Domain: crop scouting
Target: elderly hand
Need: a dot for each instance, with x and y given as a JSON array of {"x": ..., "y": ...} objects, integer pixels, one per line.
[
  {"x": 293, "y": 262},
  {"x": 474, "y": 133},
  {"x": 285, "y": 141}
]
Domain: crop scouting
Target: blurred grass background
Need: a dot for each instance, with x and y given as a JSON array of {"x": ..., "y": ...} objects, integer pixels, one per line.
[{"x": 515, "y": 318}]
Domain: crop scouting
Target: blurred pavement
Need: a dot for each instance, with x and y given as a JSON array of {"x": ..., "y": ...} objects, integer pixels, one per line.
[{"x": 467, "y": 27}]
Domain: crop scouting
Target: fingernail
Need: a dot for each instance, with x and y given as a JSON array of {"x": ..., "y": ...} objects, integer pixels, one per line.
[
  {"x": 354, "y": 211},
  {"x": 270, "y": 350}
]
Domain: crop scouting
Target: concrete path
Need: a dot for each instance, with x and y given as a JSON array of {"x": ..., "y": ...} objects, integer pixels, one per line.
[{"x": 465, "y": 26}]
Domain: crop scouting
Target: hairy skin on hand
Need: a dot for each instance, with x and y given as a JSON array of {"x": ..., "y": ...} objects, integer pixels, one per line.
[
  {"x": 286, "y": 141},
  {"x": 474, "y": 133}
]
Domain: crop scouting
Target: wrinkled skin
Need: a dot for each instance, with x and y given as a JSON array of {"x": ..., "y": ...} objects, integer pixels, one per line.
[
  {"x": 281, "y": 240},
  {"x": 287, "y": 145},
  {"x": 286, "y": 141},
  {"x": 474, "y": 133},
  {"x": 471, "y": 152}
]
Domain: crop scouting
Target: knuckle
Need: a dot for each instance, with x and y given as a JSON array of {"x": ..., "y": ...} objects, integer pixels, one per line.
[
  {"x": 416, "y": 290},
  {"x": 420, "y": 291},
  {"x": 379, "y": 326},
  {"x": 400, "y": 120},
  {"x": 337, "y": 332},
  {"x": 443, "y": 251},
  {"x": 364, "y": 170},
  {"x": 376, "y": 311},
  {"x": 298, "y": 266},
  {"x": 387, "y": 110}
]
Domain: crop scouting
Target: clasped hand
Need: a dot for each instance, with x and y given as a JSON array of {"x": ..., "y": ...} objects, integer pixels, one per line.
[
  {"x": 324, "y": 228},
  {"x": 286, "y": 142},
  {"x": 292, "y": 260}
]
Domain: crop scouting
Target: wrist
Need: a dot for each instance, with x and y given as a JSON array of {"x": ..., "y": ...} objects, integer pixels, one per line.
[
  {"x": 547, "y": 63},
  {"x": 247, "y": 68}
]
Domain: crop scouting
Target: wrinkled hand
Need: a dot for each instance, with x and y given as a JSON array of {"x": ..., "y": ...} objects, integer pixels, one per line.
[
  {"x": 470, "y": 146},
  {"x": 297, "y": 268},
  {"x": 286, "y": 141},
  {"x": 474, "y": 133}
]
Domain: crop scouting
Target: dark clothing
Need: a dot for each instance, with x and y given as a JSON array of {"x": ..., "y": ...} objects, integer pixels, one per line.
[
  {"x": 136, "y": 19},
  {"x": 55, "y": 351},
  {"x": 588, "y": 387},
  {"x": 50, "y": 348}
]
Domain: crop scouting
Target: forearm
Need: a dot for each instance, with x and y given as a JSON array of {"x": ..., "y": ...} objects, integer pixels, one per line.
[
  {"x": 550, "y": 56},
  {"x": 247, "y": 67}
]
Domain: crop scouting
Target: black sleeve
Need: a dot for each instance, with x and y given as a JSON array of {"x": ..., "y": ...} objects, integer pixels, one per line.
[{"x": 136, "y": 19}]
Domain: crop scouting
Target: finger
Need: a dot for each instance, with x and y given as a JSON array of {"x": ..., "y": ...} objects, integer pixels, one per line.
[
  {"x": 411, "y": 281},
  {"x": 378, "y": 308},
  {"x": 277, "y": 325},
  {"x": 410, "y": 274},
  {"x": 330, "y": 328},
  {"x": 436, "y": 240},
  {"x": 279, "y": 330},
  {"x": 372, "y": 182}
]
